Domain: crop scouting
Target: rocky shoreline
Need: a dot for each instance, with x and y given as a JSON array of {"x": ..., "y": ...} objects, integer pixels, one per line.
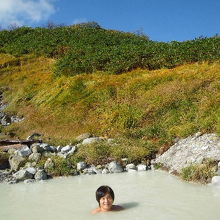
[
  {"x": 23, "y": 161},
  {"x": 23, "y": 164}
]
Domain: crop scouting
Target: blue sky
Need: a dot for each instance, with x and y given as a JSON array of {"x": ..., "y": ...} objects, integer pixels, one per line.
[{"x": 161, "y": 20}]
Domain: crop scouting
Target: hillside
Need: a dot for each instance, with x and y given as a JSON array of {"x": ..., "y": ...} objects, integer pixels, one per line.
[{"x": 148, "y": 104}]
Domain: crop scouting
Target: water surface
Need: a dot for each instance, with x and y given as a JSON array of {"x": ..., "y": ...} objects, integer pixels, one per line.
[{"x": 151, "y": 195}]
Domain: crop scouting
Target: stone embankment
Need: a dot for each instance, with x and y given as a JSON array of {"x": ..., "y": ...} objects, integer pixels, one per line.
[
  {"x": 192, "y": 150},
  {"x": 23, "y": 161}
]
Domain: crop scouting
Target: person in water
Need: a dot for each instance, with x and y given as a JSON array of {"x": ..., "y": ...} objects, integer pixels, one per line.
[{"x": 105, "y": 197}]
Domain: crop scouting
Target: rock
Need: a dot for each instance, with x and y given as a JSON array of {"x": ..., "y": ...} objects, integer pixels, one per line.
[
  {"x": 115, "y": 167},
  {"x": 91, "y": 140},
  {"x": 27, "y": 181},
  {"x": 83, "y": 137},
  {"x": 24, "y": 152},
  {"x": 34, "y": 136},
  {"x": 40, "y": 175},
  {"x": 46, "y": 147},
  {"x": 105, "y": 171},
  {"x": 35, "y": 157},
  {"x": 215, "y": 180},
  {"x": 89, "y": 171},
  {"x": 22, "y": 175},
  {"x": 191, "y": 150},
  {"x": 141, "y": 167},
  {"x": 66, "y": 149},
  {"x": 6, "y": 120},
  {"x": 71, "y": 151},
  {"x": 16, "y": 162},
  {"x": 59, "y": 148},
  {"x": 49, "y": 164},
  {"x": 130, "y": 166},
  {"x": 31, "y": 170},
  {"x": 81, "y": 165},
  {"x": 36, "y": 148}
]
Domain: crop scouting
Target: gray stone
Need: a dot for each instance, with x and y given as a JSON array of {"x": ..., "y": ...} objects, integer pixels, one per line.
[
  {"x": 71, "y": 152},
  {"x": 215, "y": 180},
  {"x": 40, "y": 175},
  {"x": 36, "y": 148},
  {"x": 15, "y": 162},
  {"x": 83, "y": 137},
  {"x": 45, "y": 147},
  {"x": 141, "y": 167},
  {"x": 35, "y": 157},
  {"x": 25, "y": 151},
  {"x": 22, "y": 175},
  {"x": 89, "y": 171},
  {"x": 115, "y": 167},
  {"x": 191, "y": 150},
  {"x": 91, "y": 140},
  {"x": 130, "y": 166},
  {"x": 81, "y": 165},
  {"x": 105, "y": 171},
  {"x": 31, "y": 170},
  {"x": 6, "y": 120},
  {"x": 66, "y": 149},
  {"x": 33, "y": 136},
  {"x": 59, "y": 148}
]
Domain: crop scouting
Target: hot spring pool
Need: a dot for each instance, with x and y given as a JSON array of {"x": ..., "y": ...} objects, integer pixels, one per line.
[{"x": 151, "y": 195}]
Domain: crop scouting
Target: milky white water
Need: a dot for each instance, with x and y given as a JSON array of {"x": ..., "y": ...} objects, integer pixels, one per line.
[{"x": 151, "y": 195}]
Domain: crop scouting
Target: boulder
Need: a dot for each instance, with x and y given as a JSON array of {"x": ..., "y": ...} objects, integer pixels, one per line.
[
  {"x": 36, "y": 148},
  {"x": 81, "y": 165},
  {"x": 115, "y": 167},
  {"x": 105, "y": 171},
  {"x": 35, "y": 157},
  {"x": 25, "y": 151},
  {"x": 141, "y": 167},
  {"x": 91, "y": 140},
  {"x": 31, "y": 170},
  {"x": 191, "y": 150},
  {"x": 22, "y": 175},
  {"x": 215, "y": 180},
  {"x": 40, "y": 175},
  {"x": 66, "y": 149},
  {"x": 16, "y": 162}
]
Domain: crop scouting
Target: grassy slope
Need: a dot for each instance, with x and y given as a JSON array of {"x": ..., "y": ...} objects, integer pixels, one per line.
[{"x": 144, "y": 106}]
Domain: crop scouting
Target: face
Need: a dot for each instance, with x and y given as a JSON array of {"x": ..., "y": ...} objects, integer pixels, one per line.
[{"x": 106, "y": 203}]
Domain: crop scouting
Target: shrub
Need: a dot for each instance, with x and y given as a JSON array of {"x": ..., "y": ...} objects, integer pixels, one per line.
[{"x": 199, "y": 172}]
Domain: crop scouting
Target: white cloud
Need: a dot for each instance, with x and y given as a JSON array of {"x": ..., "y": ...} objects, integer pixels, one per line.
[
  {"x": 80, "y": 20},
  {"x": 25, "y": 12}
]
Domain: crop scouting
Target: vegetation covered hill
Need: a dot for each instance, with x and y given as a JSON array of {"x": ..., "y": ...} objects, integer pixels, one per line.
[{"x": 44, "y": 73}]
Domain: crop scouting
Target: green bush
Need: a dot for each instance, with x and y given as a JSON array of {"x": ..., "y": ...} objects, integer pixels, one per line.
[
  {"x": 199, "y": 172},
  {"x": 86, "y": 48}
]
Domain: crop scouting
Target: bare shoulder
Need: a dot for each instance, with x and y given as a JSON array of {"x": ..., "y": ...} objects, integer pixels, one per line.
[
  {"x": 97, "y": 210},
  {"x": 117, "y": 208}
]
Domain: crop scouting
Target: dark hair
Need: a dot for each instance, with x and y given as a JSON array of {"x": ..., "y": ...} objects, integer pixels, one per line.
[{"x": 102, "y": 191}]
